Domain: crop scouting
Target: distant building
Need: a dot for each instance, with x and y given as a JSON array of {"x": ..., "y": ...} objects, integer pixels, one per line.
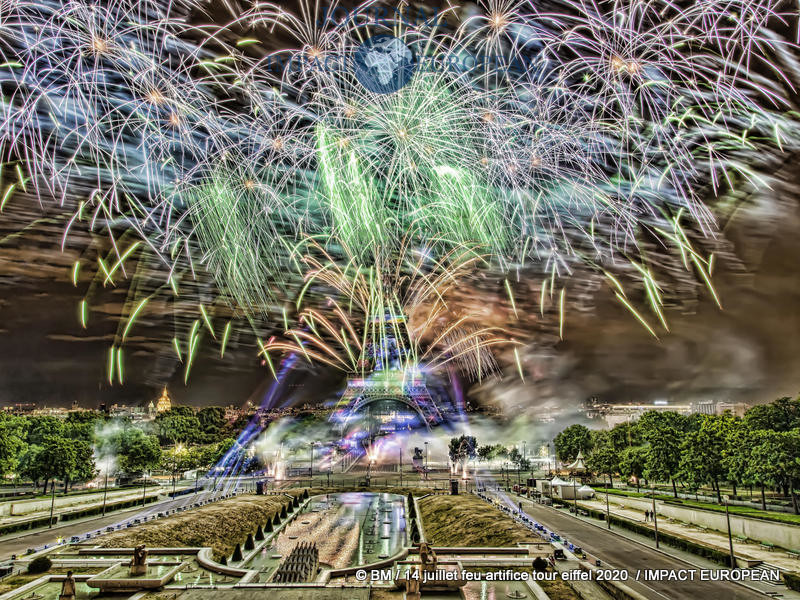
[
  {"x": 706, "y": 407},
  {"x": 21, "y": 408},
  {"x": 54, "y": 411},
  {"x": 164, "y": 403},
  {"x": 736, "y": 408},
  {"x": 135, "y": 413},
  {"x": 232, "y": 413},
  {"x": 614, "y": 414}
]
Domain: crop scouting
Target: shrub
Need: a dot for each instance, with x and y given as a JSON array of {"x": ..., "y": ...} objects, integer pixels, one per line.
[
  {"x": 27, "y": 524},
  {"x": 237, "y": 554},
  {"x": 40, "y": 564},
  {"x": 792, "y": 580}
]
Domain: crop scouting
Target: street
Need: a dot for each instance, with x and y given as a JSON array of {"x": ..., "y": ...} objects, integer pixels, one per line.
[
  {"x": 18, "y": 544},
  {"x": 620, "y": 552}
]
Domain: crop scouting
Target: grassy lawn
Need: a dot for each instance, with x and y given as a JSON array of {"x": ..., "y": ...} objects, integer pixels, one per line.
[
  {"x": 558, "y": 590},
  {"x": 743, "y": 511},
  {"x": 469, "y": 521},
  {"x": 219, "y": 526}
]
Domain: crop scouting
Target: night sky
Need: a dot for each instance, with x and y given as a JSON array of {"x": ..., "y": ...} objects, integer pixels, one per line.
[{"x": 747, "y": 351}]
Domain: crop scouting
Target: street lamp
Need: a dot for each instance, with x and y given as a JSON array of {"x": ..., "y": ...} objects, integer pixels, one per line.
[
  {"x": 311, "y": 467},
  {"x": 105, "y": 488},
  {"x": 608, "y": 511},
  {"x": 177, "y": 450},
  {"x": 730, "y": 538},
  {"x": 426, "y": 461},
  {"x": 52, "y": 501},
  {"x": 400, "y": 451},
  {"x": 655, "y": 516},
  {"x": 525, "y": 454},
  {"x": 144, "y": 486},
  {"x": 575, "y": 492}
]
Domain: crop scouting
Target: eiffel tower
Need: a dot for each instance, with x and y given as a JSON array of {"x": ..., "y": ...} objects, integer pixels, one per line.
[{"x": 391, "y": 381}]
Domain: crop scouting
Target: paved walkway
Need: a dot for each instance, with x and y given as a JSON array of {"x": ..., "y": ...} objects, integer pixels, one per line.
[
  {"x": 18, "y": 543},
  {"x": 621, "y": 549},
  {"x": 685, "y": 557},
  {"x": 716, "y": 539},
  {"x": 91, "y": 501}
]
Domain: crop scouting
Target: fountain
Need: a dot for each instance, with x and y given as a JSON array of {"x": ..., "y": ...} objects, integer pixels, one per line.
[
  {"x": 139, "y": 561},
  {"x": 137, "y": 575}
]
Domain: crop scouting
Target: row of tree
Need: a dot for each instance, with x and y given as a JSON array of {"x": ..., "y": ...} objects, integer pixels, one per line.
[
  {"x": 44, "y": 449},
  {"x": 184, "y": 424},
  {"x": 761, "y": 449}
]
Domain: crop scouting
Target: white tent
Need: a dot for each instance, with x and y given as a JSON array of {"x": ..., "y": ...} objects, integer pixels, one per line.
[{"x": 557, "y": 481}]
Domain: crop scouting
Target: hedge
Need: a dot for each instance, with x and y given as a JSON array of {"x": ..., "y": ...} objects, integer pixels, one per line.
[
  {"x": 792, "y": 580},
  {"x": 182, "y": 492},
  {"x": 24, "y": 525},
  {"x": 712, "y": 554},
  {"x": 40, "y": 564},
  {"x": 98, "y": 510},
  {"x": 70, "y": 516}
]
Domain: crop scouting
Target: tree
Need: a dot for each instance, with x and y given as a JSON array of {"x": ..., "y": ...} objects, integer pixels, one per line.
[
  {"x": 136, "y": 452},
  {"x": 781, "y": 415},
  {"x": 625, "y": 435},
  {"x": 485, "y": 452},
  {"x": 82, "y": 467},
  {"x": 662, "y": 431},
  {"x": 500, "y": 451},
  {"x": 12, "y": 442},
  {"x": 211, "y": 454},
  {"x": 176, "y": 459},
  {"x": 575, "y": 438},
  {"x": 702, "y": 452},
  {"x": 515, "y": 456},
  {"x": 604, "y": 456},
  {"x": 775, "y": 460},
  {"x": 736, "y": 453},
  {"x": 59, "y": 459},
  {"x": 631, "y": 463},
  {"x": 31, "y": 465},
  {"x": 175, "y": 425},
  {"x": 212, "y": 422},
  {"x": 462, "y": 448},
  {"x": 41, "y": 429}
]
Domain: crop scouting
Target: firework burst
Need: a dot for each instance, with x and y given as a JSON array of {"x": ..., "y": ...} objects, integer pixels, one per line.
[{"x": 569, "y": 140}]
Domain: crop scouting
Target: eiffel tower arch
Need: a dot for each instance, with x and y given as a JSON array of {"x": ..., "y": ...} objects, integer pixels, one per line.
[{"x": 391, "y": 386}]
